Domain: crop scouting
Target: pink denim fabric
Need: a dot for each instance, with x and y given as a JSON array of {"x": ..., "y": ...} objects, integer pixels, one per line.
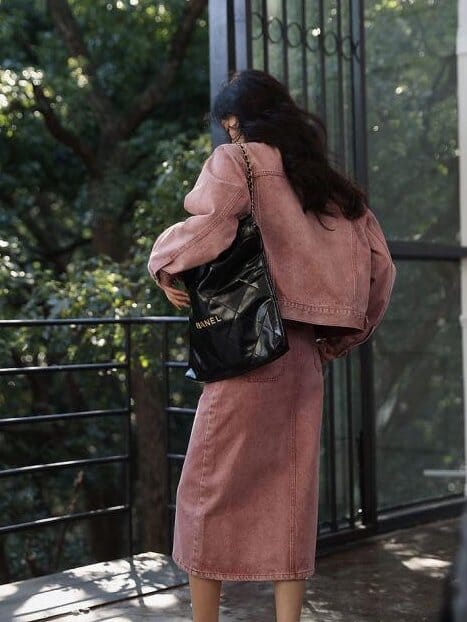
[
  {"x": 341, "y": 281},
  {"x": 247, "y": 499}
]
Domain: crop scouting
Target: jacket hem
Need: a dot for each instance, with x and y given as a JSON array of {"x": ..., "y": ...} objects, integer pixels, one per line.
[
  {"x": 321, "y": 314},
  {"x": 239, "y": 576}
]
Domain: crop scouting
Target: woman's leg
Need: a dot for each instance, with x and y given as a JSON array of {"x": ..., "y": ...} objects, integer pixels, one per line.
[
  {"x": 205, "y": 598},
  {"x": 288, "y": 597}
]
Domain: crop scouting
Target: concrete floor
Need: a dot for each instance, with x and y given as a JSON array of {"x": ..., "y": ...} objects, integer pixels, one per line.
[{"x": 397, "y": 577}]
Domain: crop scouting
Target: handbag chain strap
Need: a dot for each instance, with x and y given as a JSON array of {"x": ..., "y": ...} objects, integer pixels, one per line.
[
  {"x": 250, "y": 187},
  {"x": 249, "y": 178}
]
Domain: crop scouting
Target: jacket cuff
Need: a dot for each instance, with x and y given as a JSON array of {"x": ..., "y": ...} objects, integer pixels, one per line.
[
  {"x": 164, "y": 278},
  {"x": 328, "y": 352},
  {"x": 336, "y": 347}
]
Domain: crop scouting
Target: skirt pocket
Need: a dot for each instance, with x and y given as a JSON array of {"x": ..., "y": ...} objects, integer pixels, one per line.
[{"x": 267, "y": 373}]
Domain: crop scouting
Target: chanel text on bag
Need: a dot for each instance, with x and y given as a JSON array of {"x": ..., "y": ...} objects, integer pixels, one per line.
[{"x": 213, "y": 319}]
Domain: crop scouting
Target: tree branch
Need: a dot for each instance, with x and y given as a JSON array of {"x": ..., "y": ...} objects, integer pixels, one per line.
[
  {"x": 63, "y": 135},
  {"x": 157, "y": 90},
  {"x": 48, "y": 249},
  {"x": 70, "y": 32}
]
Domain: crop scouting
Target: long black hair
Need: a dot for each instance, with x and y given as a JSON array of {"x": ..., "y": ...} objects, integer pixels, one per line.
[{"x": 267, "y": 113}]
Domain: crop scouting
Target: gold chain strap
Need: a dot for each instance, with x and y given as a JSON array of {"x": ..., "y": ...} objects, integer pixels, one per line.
[
  {"x": 249, "y": 178},
  {"x": 250, "y": 187}
]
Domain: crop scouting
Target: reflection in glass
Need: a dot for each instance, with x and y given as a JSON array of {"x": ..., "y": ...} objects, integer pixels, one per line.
[
  {"x": 412, "y": 118},
  {"x": 418, "y": 382}
]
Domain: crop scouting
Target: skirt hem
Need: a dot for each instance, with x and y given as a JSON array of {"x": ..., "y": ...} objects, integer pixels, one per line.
[{"x": 235, "y": 576}]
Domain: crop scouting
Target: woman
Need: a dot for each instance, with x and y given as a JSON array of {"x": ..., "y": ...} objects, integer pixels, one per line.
[{"x": 247, "y": 500}]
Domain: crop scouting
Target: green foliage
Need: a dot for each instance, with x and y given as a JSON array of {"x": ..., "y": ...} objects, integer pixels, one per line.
[
  {"x": 412, "y": 118},
  {"x": 97, "y": 286},
  {"x": 88, "y": 287},
  {"x": 50, "y": 198},
  {"x": 58, "y": 194}
]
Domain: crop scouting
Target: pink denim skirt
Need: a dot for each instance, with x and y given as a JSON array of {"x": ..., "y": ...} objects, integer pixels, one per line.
[{"x": 247, "y": 499}]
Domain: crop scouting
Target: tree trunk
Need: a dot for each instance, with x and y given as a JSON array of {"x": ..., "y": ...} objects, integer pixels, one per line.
[
  {"x": 107, "y": 238},
  {"x": 152, "y": 465},
  {"x": 107, "y": 195}
]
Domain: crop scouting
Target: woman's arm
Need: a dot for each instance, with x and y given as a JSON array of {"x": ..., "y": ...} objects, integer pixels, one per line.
[
  {"x": 216, "y": 202},
  {"x": 382, "y": 278}
]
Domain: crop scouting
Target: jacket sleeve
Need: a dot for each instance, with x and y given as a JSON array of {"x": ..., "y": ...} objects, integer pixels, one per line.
[
  {"x": 216, "y": 202},
  {"x": 382, "y": 278}
]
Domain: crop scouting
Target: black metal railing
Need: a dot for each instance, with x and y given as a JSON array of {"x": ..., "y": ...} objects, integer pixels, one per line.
[
  {"x": 333, "y": 531},
  {"x": 125, "y": 458}
]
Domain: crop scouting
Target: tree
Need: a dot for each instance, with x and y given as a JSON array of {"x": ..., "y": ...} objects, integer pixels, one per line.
[
  {"x": 74, "y": 64},
  {"x": 100, "y": 138}
]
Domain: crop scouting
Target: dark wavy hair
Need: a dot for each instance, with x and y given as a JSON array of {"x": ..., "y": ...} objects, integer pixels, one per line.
[{"x": 267, "y": 113}]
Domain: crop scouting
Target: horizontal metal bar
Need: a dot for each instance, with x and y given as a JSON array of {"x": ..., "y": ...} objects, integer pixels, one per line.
[
  {"x": 330, "y": 543},
  {"x": 160, "y": 319},
  {"x": 38, "y": 468},
  {"x": 418, "y": 506},
  {"x": 401, "y": 249},
  {"x": 6, "y": 421},
  {"x": 338, "y": 524},
  {"x": 176, "y": 363},
  {"x": 176, "y": 410},
  {"x": 441, "y": 509},
  {"x": 176, "y": 456},
  {"x": 50, "y": 369},
  {"x": 445, "y": 473},
  {"x": 53, "y": 520}
]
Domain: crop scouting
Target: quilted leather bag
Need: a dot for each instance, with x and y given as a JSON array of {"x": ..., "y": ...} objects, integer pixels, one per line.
[{"x": 234, "y": 320}]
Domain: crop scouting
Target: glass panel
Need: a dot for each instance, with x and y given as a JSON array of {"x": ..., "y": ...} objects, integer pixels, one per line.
[
  {"x": 294, "y": 37},
  {"x": 418, "y": 378},
  {"x": 257, "y": 34},
  {"x": 315, "y": 80},
  {"x": 341, "y": 429},
  {"x": 276, "y": 40},
  {"x": 307, "y": 46},
  {"x": 412, "y": 118}
]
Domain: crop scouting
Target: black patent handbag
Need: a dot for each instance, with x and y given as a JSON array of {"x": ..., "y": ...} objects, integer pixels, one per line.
[{"x": 234, "y": 320}]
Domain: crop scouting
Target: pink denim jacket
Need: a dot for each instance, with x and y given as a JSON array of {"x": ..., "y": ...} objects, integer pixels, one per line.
[{"x": 341, "y": 280}]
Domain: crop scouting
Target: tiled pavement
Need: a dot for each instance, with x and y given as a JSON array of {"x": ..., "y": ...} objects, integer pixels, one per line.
[{"x": 396, "y": 577}]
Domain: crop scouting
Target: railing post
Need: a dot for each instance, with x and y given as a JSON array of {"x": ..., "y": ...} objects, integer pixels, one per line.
[
  {"x": 368, "y": 436},
  {"x": 221, "y": 52},
  {"x": 129, "y": 436},
  {"x": 165, "y": 398},
  {"x": 461, "y": 52}
]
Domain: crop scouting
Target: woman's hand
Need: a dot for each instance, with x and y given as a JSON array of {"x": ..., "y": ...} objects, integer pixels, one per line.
[{"x": 177, "y": 297}]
